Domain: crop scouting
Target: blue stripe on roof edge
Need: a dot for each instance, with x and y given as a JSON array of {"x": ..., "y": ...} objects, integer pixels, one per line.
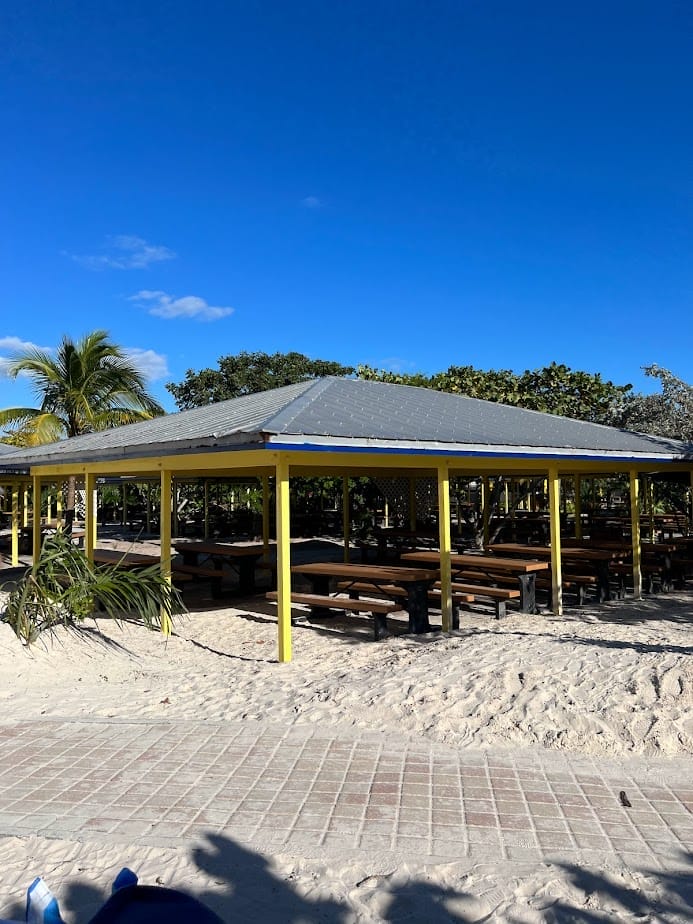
[{"x": 474, "y": 454}]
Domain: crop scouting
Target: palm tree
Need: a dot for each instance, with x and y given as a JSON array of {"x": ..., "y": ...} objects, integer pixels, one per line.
[{"x": 89, "y": 385}]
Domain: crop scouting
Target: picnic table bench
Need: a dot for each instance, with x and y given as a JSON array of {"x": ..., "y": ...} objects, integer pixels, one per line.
[
  {"x": 243, "y": 559},
  {"x": 180, "y": 574},
  {"x": 499, "y": 596},
  {"x": 416, "y": 582},
  {"x": 378, "y": 609},
  {"x": 355, "y": 588},
  {"x": 461, "y": 593},
  {"x": 391, "y": 541},
  {"x": 571, "y": 582},
  {"x": 523, "y": 572},
  {"x": 572, "y": 556}
]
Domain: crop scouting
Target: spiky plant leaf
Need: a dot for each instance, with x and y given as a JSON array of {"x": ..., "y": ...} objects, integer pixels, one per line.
[{"x": 63, "y": 588}]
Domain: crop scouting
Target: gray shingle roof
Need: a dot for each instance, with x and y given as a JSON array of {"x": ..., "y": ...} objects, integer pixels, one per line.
[
  {"x": 354, "y": 414},
  {"x": 8, "y": 455}
]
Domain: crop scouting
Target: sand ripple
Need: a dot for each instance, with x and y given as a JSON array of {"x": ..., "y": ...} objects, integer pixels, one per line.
[{"x": 609, "y": 681}]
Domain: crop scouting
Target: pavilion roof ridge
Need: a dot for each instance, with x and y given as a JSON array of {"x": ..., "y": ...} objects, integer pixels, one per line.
[{"x": 342, "y": 413}]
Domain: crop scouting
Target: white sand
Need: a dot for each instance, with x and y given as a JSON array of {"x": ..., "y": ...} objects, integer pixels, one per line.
[{"x": 614, "y": 680}]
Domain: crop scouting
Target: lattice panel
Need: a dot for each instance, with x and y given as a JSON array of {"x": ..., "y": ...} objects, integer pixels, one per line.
[
  {"x": 426, "y": 498},
  {"x": 396, "y": 493}
]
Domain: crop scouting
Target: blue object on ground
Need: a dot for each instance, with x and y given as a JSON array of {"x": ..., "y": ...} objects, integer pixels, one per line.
[
  {"x": 129, "y": 903},
  {"x": 41, "y": 904},
  {"x": 141, "y": 904}
]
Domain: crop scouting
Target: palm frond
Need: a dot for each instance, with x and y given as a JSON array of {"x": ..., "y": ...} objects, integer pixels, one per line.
[
  {"x": 88, "y": 385},
  {"x": 64, "y": 587}
]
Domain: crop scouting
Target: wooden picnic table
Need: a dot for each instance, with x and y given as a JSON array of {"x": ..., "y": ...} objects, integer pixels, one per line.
[
  {"x": 242, "y": 558},
  {"x": 415, "y": 581},
  {"x": 597, "y": 558},
  {"x": 524, "y": 571},
  {"x": 125, "y": 559},
  {"x": 621, "y": 545},
  {"x": 396, "y": 539},
  {"x": 667, "y": 558},
  {"x": 180, "y": 571}
]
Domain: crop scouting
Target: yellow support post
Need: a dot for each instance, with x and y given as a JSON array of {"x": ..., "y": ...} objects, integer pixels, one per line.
[
  {"x": 346, "y": 516},
  {"x": 176, "y": 505},
  {"x": 578, "y": 507},
  {"x": 89, "y": 515},
  {"x": 165, "y": 512},
  {"x": 206, "y": 510},
  {"x": 15, "y": 525},
  {"x": 485, "y": 512},
  {"x": 635, "y": 533},
  {"x": 283, "y": 560},
  {"x": 445, "y": 545},
  {"x": 36, "y": 524},
  {"x": 265, "y": 513},
  {"x": 148, "y": 506},
  {"x": 36, "y": 504},
  {"x": 59, "y": 505},
  {"x": 555, "y": 528},
  {"x": 649, "y": 484}
]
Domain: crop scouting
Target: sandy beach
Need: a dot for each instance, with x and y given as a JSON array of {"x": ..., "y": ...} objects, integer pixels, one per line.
[{"x": 610, "y": 682}]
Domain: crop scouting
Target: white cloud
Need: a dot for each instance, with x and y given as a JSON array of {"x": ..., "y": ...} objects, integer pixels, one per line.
[
  {"x": 12, "y": 346},
  {"x": 125, "y": 251},
  {"x": 152, "y": 365},
  {"x": 188, "y": 306},
  {"x": 312, "y": 202},
  {"x": 397, "y": 365}
]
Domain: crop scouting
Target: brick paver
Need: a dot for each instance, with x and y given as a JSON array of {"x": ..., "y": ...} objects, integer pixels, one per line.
[{"x": 309, "y": 790}]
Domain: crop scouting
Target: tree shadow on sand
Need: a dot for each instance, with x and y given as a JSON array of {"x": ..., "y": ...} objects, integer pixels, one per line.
[
  {"x": 245, "y": 887},
  {"x": 672, "y": 900},
  {"x": 251, "y": 890}
]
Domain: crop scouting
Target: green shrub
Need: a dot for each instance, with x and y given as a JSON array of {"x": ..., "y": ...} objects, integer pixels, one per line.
[{"x": 63, "y": 588}]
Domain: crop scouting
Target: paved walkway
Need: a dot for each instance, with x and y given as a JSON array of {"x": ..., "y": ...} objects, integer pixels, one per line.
[{"x": 312, "y": 792}]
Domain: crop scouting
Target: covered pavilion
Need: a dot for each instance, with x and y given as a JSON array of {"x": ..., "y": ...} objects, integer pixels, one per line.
[{"x": 348, "y": 428}]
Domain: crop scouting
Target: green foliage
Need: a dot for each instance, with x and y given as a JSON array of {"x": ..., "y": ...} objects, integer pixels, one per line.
[
  {"x": 555, "y": 389},
  {"x": 667, "y": 413},
  {"x": 247, "y": 374},
  {"x": 63, "y": 588},
  {"x": 88, "y": 385},
  {"x": 500, "y": 386},
  {"x": 367, "y": 373}
]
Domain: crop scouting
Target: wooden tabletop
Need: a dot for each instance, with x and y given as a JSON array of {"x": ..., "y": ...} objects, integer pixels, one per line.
[
  {"x": 484, "y": 562},
  {"x": 568, "y": 552},
  {"x": 217, "y": 548},
  {"x": 391, "y": 573},
  {"x": 655, "y": 547},
  {"x": 621, "y": 545},
  {"x": 125, "y": 559}
]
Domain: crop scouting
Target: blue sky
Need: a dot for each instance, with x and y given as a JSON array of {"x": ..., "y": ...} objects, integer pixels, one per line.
[{"x": 407, "y": 185}]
